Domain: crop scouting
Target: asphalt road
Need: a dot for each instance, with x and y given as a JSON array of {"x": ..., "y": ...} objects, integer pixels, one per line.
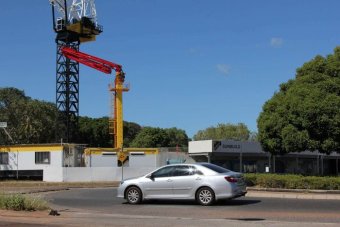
[{"x": 259, "y": 211}]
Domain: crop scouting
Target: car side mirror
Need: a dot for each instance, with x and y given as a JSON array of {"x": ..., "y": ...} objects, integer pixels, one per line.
[{"x": 151, "y": 177}]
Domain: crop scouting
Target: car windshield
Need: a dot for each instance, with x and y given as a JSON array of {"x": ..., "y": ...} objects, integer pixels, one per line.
[{"x": 215, "y": 168}]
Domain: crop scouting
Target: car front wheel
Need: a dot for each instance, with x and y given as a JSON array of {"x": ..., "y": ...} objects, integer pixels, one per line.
[
  {"x": 205, "y": 196},
  {"x": 133, "y": 195}
]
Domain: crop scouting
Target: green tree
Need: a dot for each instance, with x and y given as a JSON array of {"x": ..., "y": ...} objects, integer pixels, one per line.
[
  {"x": 224, "y": 132},
  {"x": 37, "y": 122},
  {"x": 95, "y": 132},
  {"x": 151, "y": 137},
  {"x": 29, "y": 121},
  {"x": 177, "y": 137},
  {"x": 305, "y": 113},
  {"x": 131, "y": 130},
  {"x": 159, "y": 137}
]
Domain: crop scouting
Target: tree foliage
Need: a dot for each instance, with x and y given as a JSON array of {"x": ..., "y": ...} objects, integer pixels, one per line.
[
  {"x": 95, "y": 132},
  {"x": 305, "y": 113},
  {"x": 33, "y": 121},
  {"x": 158, "y": 137},
  {"x": 224, "y": 132},
  {"x": 131, "y": 130},
  {"x": 177, "y": 137},
  {"x": 28, "y": 120}
]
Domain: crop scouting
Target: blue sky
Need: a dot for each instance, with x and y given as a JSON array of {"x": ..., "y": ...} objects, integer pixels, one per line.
[{"x": 191, "y": 64}]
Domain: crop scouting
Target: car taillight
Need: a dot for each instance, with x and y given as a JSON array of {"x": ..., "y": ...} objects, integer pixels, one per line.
[{"x": 231, "y": 179}]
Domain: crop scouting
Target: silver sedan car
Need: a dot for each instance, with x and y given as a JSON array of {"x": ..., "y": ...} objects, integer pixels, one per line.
[{"x": 203, "y": 182}]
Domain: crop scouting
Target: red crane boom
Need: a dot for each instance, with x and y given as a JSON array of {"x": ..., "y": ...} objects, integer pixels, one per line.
[
  {"x": 106, "y": 67},
  {"x": 91, "y": 61}
]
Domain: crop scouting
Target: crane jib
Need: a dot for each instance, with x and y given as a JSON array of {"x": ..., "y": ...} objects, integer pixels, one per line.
[{"x": 91, "y": 61}]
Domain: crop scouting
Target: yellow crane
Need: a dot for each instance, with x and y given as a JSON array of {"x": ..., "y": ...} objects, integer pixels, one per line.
[{"x": 116, "y": 123}]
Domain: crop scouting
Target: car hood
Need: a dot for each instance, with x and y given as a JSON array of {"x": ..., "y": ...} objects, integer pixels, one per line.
[{"x": 131, "y": 178}]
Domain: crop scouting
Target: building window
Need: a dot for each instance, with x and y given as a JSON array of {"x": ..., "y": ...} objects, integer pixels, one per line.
[
  {"x": 3, "y": 158},
  {"x": 42, "y": 157}
]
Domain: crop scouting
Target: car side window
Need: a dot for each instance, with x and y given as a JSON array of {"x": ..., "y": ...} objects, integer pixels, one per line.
[
  {"x": 164, "y": 172},
  {"x": 198, "y": 172},
  {"x": 182, "y": 171}
]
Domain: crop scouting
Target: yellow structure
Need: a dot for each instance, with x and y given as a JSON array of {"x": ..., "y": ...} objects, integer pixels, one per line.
[
  {"x": 99, "y": 151},
  {"x": 116, "y": 124},
  {"x": 31, "y": 147},
  {"x": 98, "y": 156},
  {"x": 86, "y": 30}
]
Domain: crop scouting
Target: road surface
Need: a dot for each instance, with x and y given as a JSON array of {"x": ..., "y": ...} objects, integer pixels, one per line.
[{"x": 246, "y": 209}]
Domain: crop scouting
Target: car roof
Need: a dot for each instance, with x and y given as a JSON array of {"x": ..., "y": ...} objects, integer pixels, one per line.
[{"x": 188, "y": 164}]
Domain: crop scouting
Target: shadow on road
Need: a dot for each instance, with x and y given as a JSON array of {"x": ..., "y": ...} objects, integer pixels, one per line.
[
  {"x": 247, "y": 219},
  {"x": 234, "y": 202},
  {"x": 239, "y": 202}
]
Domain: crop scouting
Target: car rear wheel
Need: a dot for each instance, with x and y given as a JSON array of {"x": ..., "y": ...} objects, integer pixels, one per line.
[
  {"x": 205, "y": 196},
  {"x": 133, "y": 195}
]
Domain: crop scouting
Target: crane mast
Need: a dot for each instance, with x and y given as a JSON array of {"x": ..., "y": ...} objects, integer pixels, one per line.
[{"x": 74, "y": 22}]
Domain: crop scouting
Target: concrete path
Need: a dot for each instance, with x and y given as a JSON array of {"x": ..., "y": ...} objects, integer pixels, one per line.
[{"x": 292, "y": 194}]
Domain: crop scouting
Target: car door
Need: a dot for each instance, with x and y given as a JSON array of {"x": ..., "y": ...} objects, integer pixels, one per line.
[
  {"x": 185, "y": 181},
  {"x": 159, "y": 184}
]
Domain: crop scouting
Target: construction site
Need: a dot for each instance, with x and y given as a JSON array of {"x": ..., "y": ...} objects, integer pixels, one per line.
[{"x": 75, "y": 23}]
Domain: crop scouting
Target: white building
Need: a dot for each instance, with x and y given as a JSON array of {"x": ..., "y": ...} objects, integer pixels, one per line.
[
  {"x": 74, "y": 163},
  {"x": 248, "y": 156}
]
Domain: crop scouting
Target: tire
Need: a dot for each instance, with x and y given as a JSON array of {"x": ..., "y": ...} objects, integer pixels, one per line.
[
  {"x": 133, "y": 195},
  {"x": 205, "y": 196}
]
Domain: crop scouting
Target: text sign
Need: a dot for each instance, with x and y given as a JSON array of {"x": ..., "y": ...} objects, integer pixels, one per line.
[
  {"x": 121, "y": 156},
  {"x": 3, "y": 124}
]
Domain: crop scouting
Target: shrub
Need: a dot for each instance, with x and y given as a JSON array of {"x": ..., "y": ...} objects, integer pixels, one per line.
[
  {"x": 14, "y": 202},
  {"x": 19, "y": 202},
  {"x": 291, "y": 181},
  {"x": 32, "y": 203}
]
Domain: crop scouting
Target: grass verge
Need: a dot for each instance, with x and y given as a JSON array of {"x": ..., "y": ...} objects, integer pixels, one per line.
[{"x": 20, "y": 202}]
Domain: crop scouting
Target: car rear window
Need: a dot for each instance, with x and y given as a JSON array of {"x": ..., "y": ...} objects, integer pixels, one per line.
[{"x": 215, "y": 168}]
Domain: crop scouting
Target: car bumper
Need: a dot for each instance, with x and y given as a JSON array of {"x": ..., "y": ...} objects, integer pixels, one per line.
[
  {"x": 229, "y": 193},
  {"x": 239, "y": 195},
  {"x": 120, "y": 192}
]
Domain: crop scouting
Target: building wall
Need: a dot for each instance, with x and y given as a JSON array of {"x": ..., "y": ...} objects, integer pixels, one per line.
[
  {"x": 53, "y": 174},
  {"x": 107, "y": 157},
  {"x": 202, "y": 146},
  {"x": 90, "y": 174},
  {"x": 146, "y": 160},
  {"x": 249, "y": 157},
  {"x": 100, "y": 164},
  {"x": 23, "y": 157},
  {"x": 100, "y": 160}
]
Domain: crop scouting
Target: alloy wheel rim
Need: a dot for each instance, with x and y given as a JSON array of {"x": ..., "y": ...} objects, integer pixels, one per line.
[
  {"x": 205, "y": 196},
  {"x": 133, "y": 195}
]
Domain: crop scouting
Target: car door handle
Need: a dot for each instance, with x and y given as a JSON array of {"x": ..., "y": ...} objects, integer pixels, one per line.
[
  {"x": 169, "y": 180},
  {"x": 198, "y": 178}
]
